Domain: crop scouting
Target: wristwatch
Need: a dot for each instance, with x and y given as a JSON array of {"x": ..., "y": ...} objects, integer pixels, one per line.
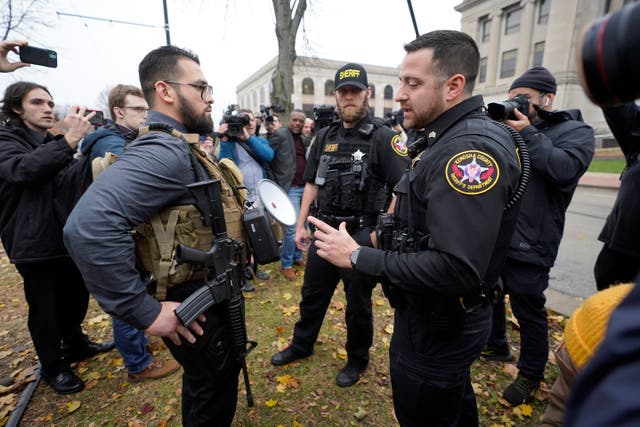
[{"x": 354, "y": 257}]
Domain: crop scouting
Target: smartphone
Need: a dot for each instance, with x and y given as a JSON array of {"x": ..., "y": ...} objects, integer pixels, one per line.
[
  {"x": 98, "y": 119},
  {"x": 39, "y": 56}
]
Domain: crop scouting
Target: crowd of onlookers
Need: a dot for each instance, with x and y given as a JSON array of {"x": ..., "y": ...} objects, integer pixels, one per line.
[{"x": 42, "y": 156}]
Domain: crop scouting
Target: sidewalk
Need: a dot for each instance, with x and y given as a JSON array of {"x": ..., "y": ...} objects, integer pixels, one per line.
[{"x": 600, "y": 180}]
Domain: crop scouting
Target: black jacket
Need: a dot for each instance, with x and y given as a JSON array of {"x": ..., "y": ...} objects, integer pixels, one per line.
[
  {"x": 560, "y": 149},
  {"x": 283, "y": 166},
  {"x": 29, "y": 228},
  {"x": 459, "y": 206},
  {"x": 621, "y": 232}
]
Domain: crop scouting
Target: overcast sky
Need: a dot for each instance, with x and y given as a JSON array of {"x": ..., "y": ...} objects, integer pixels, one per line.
[{"x": 233, "y": 38}]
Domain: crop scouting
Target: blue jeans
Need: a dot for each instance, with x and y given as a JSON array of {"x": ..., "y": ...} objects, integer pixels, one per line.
[
  {"x": 132, "y": 345},
  {"x": 289, "y": 252}
]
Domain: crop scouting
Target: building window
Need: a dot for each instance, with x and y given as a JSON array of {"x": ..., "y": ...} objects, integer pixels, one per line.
[
  {"x": 307, "y": 86},
  {"x": 262, "y": 97},
  {"x": 543, "y": 12},
  {"x": 328, "y": 88},
  {"x": 373, "y": 91},
  {"x": 538, "y": 54},
  {"x": 482, "y": 72},
  {"x": 388, "y": 92},
  {"x": 512, "y": 21},
  {"x": 508, "y": 67},
  {"x": 485, "y": 29}
]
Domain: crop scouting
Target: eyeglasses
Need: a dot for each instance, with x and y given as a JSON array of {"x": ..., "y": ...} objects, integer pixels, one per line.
[
  {"x": 137, "y": 109},
  {"x": 206, "y": 91}
]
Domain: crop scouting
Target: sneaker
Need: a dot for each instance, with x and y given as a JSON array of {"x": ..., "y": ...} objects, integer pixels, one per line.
[
  {"x": 300, "y": 263},
  {"x": 349, "y": 375},
  {"x": 497, "y": 354},
  {"x": 156, "y": 369},
  {"x": 520, "y": 391},
  {"x": 289, "y": 274}
]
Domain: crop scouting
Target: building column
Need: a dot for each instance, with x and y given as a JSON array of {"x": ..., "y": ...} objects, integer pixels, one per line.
[
  {"x": 494, "y": 48},
  {"x": 526, "y": 34}
]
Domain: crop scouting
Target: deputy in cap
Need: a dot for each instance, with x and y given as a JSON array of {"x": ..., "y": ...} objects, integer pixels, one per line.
[
  {"x": 440, "y": 255},
  {"x": 352, "y": 168},
  {"x": 560, "y": 147}
]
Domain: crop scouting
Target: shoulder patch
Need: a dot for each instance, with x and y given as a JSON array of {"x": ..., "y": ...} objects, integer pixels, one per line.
[
  {"x": 399, "y": 146},
  {"x": 472, "y": 172}
]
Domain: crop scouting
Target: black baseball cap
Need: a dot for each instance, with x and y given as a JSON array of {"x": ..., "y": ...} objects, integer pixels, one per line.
[{"x": 351, "y": 74}]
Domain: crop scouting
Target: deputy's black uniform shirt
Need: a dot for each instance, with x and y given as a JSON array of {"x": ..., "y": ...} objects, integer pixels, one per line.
[
  {"x": 387, "y": 156},
  {"x": 460, "y": 186}
]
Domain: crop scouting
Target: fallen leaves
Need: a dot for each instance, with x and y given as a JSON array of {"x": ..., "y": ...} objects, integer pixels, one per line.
[{"x": 72, "y": 406}]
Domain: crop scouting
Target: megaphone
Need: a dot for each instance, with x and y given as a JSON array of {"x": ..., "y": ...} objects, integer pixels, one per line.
[{"x": 276, "y": 202}]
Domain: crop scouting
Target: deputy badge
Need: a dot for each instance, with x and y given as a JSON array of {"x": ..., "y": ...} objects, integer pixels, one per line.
[
  {"x": 399, "y": 146},
  {"x": 472, "y": 172}
]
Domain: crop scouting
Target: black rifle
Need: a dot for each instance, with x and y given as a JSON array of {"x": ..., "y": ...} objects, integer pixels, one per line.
[{"x": 223, "y": 265}]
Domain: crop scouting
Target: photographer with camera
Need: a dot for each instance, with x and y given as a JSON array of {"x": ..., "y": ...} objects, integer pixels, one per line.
[
  {"x": 251, "y": 153},
  {"x": 352, "y": 168},
  {"x": 129, "y": 210},
  {"x": 560, "y": 147}
]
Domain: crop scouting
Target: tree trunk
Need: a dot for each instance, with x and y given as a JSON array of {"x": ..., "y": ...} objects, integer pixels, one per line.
[{"x": 288, "y": 18}]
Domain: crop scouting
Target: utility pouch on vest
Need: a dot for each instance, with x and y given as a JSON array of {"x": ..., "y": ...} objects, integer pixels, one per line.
[{"x": 156, "y": 243}]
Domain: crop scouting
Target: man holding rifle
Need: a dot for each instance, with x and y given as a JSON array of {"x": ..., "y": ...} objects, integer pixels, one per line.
[{"x": 108, "y": 228}]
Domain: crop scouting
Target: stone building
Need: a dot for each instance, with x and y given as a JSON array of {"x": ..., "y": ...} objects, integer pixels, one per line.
[
  {"x": 313, "y": 84},
  {"x": 515, "y": 35}
]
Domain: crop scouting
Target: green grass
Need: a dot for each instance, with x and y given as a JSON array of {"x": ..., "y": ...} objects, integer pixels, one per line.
[{"x": 606, "y": 165}]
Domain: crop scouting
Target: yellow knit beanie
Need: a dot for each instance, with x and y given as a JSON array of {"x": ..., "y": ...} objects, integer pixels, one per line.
[{"x": 586, "y": 328}]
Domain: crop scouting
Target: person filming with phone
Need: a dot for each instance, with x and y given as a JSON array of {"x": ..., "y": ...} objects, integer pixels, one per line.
[{"x": 30, "y": 159}]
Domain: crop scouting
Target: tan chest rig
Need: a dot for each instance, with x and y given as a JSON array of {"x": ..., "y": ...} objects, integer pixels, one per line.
[{"x": 156, "y": 240}]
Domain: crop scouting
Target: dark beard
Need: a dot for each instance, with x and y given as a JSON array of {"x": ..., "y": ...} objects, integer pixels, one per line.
[{"x": 194, "y": 122}]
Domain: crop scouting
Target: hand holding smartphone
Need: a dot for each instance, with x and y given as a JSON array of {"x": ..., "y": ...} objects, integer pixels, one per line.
[
  {"x": 97, "y": 119},
  {"x": 39, "y": 56}
]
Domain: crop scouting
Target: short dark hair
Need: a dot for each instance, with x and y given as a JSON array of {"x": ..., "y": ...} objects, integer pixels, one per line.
[
  {"x": 161, "y": 64},
  {"x": 119, "y": 93},
  {"x": 13, "y": 96},
  {"x": 453, "y": 52}
]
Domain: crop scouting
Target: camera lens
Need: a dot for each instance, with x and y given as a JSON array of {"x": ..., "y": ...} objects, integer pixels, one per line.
[{"x": 608, "y": 60}]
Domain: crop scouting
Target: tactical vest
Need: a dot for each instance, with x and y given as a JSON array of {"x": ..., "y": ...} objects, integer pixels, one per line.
[
  {"x": 157, "y": 239},
  {"x": 345, "y": 184}
]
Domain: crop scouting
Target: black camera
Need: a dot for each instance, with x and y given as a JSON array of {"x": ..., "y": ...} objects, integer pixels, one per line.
[
  {"x": 235, "y": 122},
  {"x": 323, "y": 115},
  {"x": 267, "y": 112},
  {"x": 394, "y": 118},
  {"x": 504, "y": 110},
  {"x": 608, "y": 58}
]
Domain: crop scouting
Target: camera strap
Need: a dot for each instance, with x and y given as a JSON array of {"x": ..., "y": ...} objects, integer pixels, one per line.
[{"x": 249, "y": 151}]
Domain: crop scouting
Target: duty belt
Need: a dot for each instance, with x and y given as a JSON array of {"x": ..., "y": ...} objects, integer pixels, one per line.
[{"x": 353, "y": 221}]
